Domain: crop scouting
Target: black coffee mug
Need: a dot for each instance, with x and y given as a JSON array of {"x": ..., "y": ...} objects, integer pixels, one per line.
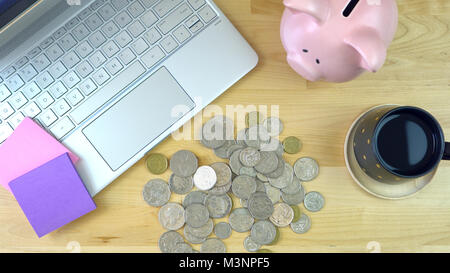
[{"x": 394, "y": 144}]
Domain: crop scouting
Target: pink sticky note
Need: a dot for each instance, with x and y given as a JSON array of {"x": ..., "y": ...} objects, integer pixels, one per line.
[{"x": 27, "y": 148}]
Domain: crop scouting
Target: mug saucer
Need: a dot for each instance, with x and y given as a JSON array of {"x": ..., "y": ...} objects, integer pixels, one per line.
[{"x": 372, "y": 186}]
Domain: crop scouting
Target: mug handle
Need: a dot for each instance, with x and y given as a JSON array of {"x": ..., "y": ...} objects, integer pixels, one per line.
[{"x": 446, "y": 151}]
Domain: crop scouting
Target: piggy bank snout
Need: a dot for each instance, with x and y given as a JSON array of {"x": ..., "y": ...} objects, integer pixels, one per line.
[{"x": 303, "y": 67}]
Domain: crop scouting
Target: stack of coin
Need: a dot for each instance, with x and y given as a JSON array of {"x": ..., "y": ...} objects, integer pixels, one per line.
[{"x": 270, "y": 190}]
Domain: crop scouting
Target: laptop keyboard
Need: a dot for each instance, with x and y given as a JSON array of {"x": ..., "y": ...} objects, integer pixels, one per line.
[{"x": 98, "y": 53}]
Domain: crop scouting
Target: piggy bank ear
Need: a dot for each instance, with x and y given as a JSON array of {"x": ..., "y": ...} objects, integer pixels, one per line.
[
  {"x": 370, "y": 47},
  {"x": 319, "y": 9}
]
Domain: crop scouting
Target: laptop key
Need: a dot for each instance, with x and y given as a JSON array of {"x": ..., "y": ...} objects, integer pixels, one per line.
[
  {"x": 28, "y": 72},
  {"x": 110, "y": 49},
  {"x": 87, "y": 87},
  {"x": 123, "y": 39},
  {"x": 110, "y": 29},
  {"x": 67, "y": 42},
  {"x": 84, "y": 69},
  {"x": 59, "y": 33},
  {"x": 107, "y": 12},
  {"x": 97, "y": 59},
  {"x": 207, "y": 14},
  {"x": 54, "y": 52},
  {"x": 84, "y": 14},
  {"x": 46, "y": 43},
  {"x": 196, "y": 4},
  {"x": 111, "y": 89},
  {"x": 62, "y": 128},
  {"x": 127, "y": 56},
  {"x": 123, "y": 19},
  {"x": 136, "y": 29},
  {"x": 163, "y": 7},
  {"x": 61, "y": 107},
  {"x": 114, "y": 66},
  {"x": 181, "y": 34},
  {"x": 152, "y": 36},
  {"x": 169, "y": 44},
  {"x": 14, "y": 83},
  {"x": 18, "y": 100},
  {"x": 4, "y": 93},
  {"x": 175, "y": 18},
  {"x": 196, "y": 27},
  {"x": 149, "y": 18},
  {"x": 74, "y": 97},
  {"x": 41, "y": 62},
  {"x": 5, "y": 131},
  {"x": 45, "y": 100},
  {"x": 94, "y": 22},
  {"x": 71, "y": 59},
  {"x": 84, "y": 49},
  {"x": 140, "y": 46},
  {"x": 57, "y": 70},
  {"x": 7, "y": 72},
  {"x": 34, "y": 52},
  {"x": 44, "y": 80},
  {"x": 71, "y": 79},
  {"x": 119, "y": 4},
  {"x": 48, "y": 118},
  {"x": 149, "y": 3},
  {"x": 58, "y": 90},
  {"x": 31, "y": 110},
  {"x": 80, "y": 32},
  {"x": 15, "y": 120},
  {"x": 97, "y": 39},
  {"x": 136, "y": 9},
  {"x": 153, "y": 56},
  {"x": 101, "y": 76},
  {"x": 21, "y": 62},
  {"x": 72, "y": 23},
  {"x": 31, "y": 90},
  {"x": 6, "y": 110}
]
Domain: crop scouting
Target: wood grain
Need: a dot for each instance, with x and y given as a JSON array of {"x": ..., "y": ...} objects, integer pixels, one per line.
[{"x": 417, "y": 72}]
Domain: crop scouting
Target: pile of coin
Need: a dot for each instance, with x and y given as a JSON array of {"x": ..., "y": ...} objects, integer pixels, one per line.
[{"x": 269, "y": 188}]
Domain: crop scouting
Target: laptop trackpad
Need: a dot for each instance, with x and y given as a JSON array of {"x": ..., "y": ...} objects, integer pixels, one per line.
[{"x": 138, "y": 118}]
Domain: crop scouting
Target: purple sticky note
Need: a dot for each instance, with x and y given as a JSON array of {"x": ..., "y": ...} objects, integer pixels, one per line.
[{"x": 52, "y": 195}]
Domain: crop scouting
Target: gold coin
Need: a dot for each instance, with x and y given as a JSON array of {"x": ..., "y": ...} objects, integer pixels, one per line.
[
  {"x": 292, "y": 145},
  {"x": 157, "y": 163},
  {"x": 253, "y": 118}
]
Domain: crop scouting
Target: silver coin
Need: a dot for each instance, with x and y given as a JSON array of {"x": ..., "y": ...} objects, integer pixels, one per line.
[
  {"x": 220, "y": 190},
  {"x": 156, "y": 192},
  {"x": 183, "y": 248},
  {"x": 222, "y": 230},
  {"x": 294, "y": 187},
  {"x": 263, "y": 232},
  {"x": 268, "y": 162},
  {"x": 241, "y": 220},
  {"x": 196, "y": 215},
  {"x": 250, "y": 245},
  {"x": 223, "y": 173},
  {"x": 294, "y": 199},
  {"x": 256, "y": 137},
  {"x": 244, "y": 203},
  {"x": 180, "y": 185},
  {"x": 302, "y": 225},
  {"x": 243, "y": 186},
  {"x": 201, "y": 232},
  {"x": 262, "y": 177},
  {"x": 282, "y": 215},
  {"x": 216, "y": 131},
  {"x": 222, "y": 151},
  {"x": 314, "y": 201},
  {"x": 192, "y": 238},
  {"x": 235, "y": 162},
  {"x": 273, "y": 193},
  {"x": 260, "y": 186},
  {"x": 205, "y": 178},
  {"x": 273, "y": 125},
  {"x": 279, "y": 170},
  {"x": 194, "y": 197},
  {"x": 183, "y": 163},
  {"x": 241, "y": 136},
  {"x": 231, "y": 149},
  {"x": 285, "y": 179},
  {"x": 260, "y": 206},
  {"x": 274, "y": 145},
  {"x": 306, "y": 169},
  {"x": 213, "y": 245},
  {"x": 249, "y": 171},
  {"x": 169, "y": 240},
  {"x": 249, "y": 157},
  {"x": 218, "y": 205},
  {"x": 171, "y": 216}
]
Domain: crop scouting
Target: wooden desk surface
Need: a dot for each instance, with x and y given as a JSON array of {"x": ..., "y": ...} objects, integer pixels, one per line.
[{"x": 417, "y": 72}]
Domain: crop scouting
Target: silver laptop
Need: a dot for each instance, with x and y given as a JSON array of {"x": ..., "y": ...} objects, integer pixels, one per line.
[{"x": 105, "y": 76}]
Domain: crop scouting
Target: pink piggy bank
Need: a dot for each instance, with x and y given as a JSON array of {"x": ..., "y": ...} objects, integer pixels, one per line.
[{"x": 337, "y": 40}]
